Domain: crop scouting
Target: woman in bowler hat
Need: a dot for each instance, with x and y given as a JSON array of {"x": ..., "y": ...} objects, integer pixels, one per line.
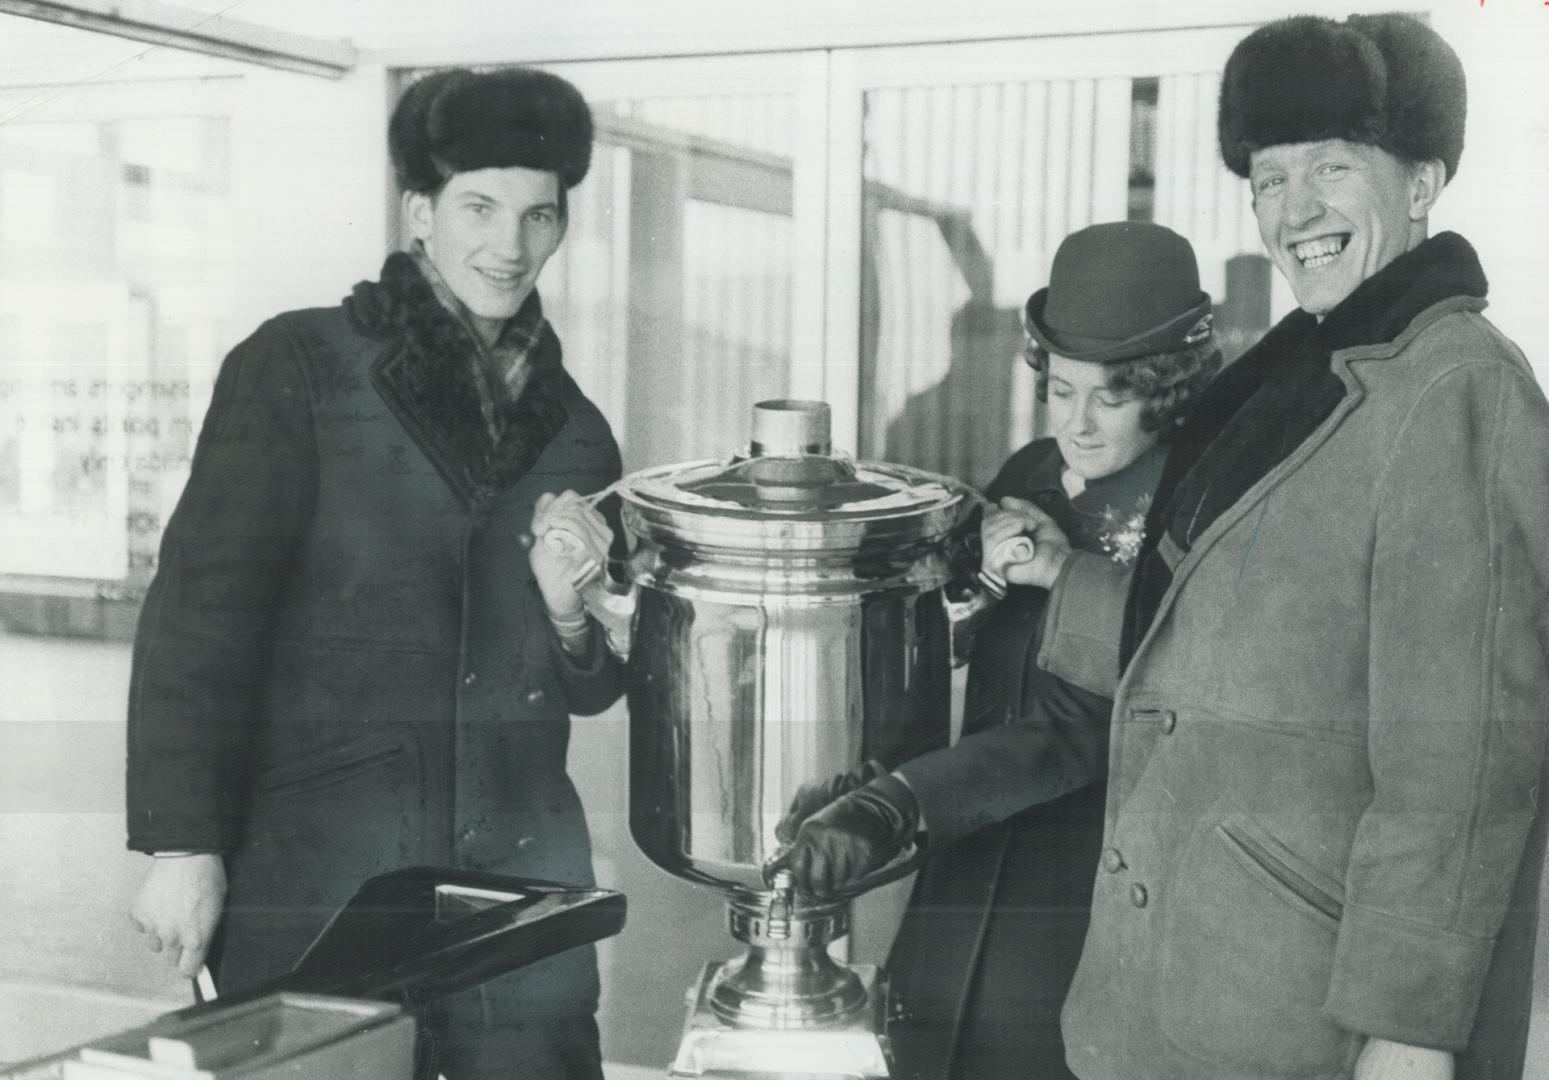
[{"x": 1120, "y": 342}]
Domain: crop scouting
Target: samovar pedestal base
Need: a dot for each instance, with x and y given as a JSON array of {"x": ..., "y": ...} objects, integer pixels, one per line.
[{"x": 854, "y": 1046}]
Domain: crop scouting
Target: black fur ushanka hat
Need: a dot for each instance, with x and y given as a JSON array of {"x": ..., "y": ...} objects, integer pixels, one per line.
[
  {"x": 1387, "y": 81},
  {"x": 459, "y": 120}
]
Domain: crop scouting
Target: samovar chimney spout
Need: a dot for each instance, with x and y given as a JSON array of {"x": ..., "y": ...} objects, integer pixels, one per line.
[{"x": 790, "y": 427}]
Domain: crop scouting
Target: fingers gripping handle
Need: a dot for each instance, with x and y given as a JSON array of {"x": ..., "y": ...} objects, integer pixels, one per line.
[
  {"x": 1017, "y": 549},
  {"x": 1009, "y": 552},
  {"x": 612, "y": 605}
]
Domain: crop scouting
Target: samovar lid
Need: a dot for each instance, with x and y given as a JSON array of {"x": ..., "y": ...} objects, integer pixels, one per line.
[{"x": 791, "y": 491}]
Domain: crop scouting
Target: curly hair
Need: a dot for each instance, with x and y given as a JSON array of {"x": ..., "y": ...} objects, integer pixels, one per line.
[{"x": 1166, "y": 381}]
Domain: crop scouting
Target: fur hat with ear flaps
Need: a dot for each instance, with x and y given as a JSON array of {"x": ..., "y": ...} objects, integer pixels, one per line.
[
  {"x": 1387, "y": 81},
  {"x": 458, "y": 121}
]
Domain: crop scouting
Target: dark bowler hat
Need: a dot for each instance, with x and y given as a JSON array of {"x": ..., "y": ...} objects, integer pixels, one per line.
[{"x": 1117, "y": 291}]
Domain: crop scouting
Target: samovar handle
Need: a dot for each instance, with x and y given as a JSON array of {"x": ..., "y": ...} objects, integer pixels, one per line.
[{"x": 610, "y": 603}]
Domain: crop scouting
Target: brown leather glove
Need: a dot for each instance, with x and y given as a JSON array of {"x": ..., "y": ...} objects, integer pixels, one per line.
[
  {"x": 852, "y": 836},
  {"x": 810, "y": 798}
]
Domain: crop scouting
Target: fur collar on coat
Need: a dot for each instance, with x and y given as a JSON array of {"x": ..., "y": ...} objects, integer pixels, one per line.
[
  {"x": 1263, "y": 407},
  {"x": 427, "y": 377}
]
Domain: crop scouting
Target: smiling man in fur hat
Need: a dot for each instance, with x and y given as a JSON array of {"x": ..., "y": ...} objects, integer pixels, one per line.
[
  {"x": 346, "y": 663},
  {"x": 1324, "y": 838}
]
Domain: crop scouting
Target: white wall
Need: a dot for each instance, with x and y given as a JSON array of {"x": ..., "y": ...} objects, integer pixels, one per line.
[
  {"x": 311, "y": 183},
  {"x": 1498, "y": 200},
  {"x": 410, "y": 32}
]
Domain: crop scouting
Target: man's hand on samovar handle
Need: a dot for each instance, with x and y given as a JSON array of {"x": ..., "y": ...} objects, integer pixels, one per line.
[
  {"x": 568, "y": 534},
  {"x": 570, "y": 541},
  {"x": 1005, "y": 557},
  {"x": 852, "y": 836},
  {"x": 179, "y": 905}
]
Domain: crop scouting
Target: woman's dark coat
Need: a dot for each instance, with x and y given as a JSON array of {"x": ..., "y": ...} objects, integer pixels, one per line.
[
  {"x": 996, "y": 921},
  {"x": 343, "y": 665}
]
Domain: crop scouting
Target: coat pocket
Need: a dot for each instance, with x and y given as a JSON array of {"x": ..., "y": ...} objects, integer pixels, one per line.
[
  {"x": 1246, "y": 954},
  {"x": 1282, "y": 871},
  {"x": 329, "y": 766}
]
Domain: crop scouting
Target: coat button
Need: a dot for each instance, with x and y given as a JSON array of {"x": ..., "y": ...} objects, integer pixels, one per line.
[
  {"x": 1169, "y": 721},
  {"x": 1113, "y": 862},
  {"x": 534, "y": 697},
  {"x": 1137, "y": 894},
  {"x": 470, "y": 678},
  {"x": 467, "y": 833}
]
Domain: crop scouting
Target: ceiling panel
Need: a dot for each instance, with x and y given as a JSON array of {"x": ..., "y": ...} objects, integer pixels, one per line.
[{"x": 46, "y": 55}]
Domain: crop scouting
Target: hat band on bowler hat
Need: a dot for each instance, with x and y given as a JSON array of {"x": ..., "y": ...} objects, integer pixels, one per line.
[{"x": 1181, "y": 331}]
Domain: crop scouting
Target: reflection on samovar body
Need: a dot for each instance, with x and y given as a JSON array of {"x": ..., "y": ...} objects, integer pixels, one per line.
[
  {"x": 738, "y": 705},
  {"x": 784, "y": 622}
]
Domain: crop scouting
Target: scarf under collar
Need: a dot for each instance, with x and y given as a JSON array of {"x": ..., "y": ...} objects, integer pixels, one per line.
[
  {"x": 1274, "y": 397},
  {"x": 499, "y": 370},
  {"x": 437, "y": 379},
  {"x": 1122, "y": 486}
]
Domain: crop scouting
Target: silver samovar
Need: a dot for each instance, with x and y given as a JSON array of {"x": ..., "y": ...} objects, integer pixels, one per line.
[{"x": 784, "y": 620}]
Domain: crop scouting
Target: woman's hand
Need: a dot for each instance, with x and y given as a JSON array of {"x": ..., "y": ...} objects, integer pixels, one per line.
[
  {"x": 1005, "y": 541},
  {"x": 1014, "y": 562},
  {"x": 810, "y": 798},
  {"x": 569, "y": 536},
  {"x": 855, "y": 834}
]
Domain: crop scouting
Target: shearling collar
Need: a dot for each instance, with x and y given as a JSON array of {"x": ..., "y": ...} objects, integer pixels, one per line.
[
  {"x": 1261, "y": 408},
  {"x": 427, "y": 377},
  {"x": 500, "y": 369}
]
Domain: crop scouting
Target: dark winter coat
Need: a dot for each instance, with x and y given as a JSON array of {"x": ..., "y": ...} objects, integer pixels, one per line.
[
  {"x": 1327, "y": 760},
  {"x": 996, "y": 920},
  {"x": 343, "y": 665}
]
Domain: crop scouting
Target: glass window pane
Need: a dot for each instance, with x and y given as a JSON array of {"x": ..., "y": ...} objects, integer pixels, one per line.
[
  {"x": 1197, "y": 196},
  {"x": 968, "y": 191},
  {"x": 672, "y": 293},
  {"x": 110, "y": 328}
]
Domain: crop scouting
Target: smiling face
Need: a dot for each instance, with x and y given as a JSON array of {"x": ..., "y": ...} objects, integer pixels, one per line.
[
  {"x": 488, "y": 232},
  {"x": 1333, "y": 213},
  {"x": 1098, "y": 430}
]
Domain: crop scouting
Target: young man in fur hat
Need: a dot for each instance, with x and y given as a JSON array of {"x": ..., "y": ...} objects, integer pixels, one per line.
[
  {"x": 1324, "y": 837},
  {"x": 346, "y": 664}
]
